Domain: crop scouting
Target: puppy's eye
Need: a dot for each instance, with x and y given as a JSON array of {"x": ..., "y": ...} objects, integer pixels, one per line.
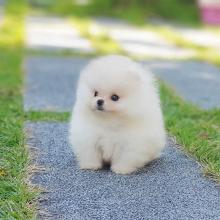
[
  {"x": 96, "y": 93},
  {"x": 114, "y": 97}
]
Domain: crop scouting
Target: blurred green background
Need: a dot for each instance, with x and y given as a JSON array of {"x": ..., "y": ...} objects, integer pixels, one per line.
[{"x": 136, "y": 11}]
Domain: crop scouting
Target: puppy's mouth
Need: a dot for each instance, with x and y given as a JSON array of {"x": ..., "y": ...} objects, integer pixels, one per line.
[{"x": 100, "y": 108}]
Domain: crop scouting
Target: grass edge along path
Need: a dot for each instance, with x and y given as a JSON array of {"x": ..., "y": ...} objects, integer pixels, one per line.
[
  {"x": 196, "y": 130},
  {"x": 16, "y": 195}
]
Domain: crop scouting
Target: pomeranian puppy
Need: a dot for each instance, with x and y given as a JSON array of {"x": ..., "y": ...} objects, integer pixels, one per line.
[{"x": 117, "y": 117}]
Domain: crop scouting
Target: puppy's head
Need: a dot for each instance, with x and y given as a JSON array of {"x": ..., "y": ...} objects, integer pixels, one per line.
[{"x": 110, "y": 86}]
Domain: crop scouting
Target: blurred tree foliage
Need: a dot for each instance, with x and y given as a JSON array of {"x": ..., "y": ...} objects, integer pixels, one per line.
[
  {"x": 185, "y": 11},
  {"x": 137, "y": 11}
]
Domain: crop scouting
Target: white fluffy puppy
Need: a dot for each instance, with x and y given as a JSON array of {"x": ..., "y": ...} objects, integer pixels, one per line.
[{"x": 117, "y": 116}]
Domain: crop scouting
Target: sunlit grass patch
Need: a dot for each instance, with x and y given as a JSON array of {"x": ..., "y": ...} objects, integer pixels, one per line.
[
  {"x": 11, "y": 36},
  {"x": 210, "y": 55},
  {"x": 12, "y": 29}
]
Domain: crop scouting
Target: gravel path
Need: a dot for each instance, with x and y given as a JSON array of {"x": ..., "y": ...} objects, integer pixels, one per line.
[{"x": 170, "y": 188}]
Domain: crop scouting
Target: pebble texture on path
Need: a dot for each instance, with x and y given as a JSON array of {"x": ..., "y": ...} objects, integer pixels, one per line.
[
  {"x": 141, "y": 42},
  {"x": 197, "y": 82},
  {"x": 54, "y": 33},
  {"x": 170, "y": 188},
  {"x": 51, "y": 82}
]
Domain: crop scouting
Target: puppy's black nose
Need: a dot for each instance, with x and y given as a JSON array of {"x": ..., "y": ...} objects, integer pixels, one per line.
[{"x": 100, "y": 102}]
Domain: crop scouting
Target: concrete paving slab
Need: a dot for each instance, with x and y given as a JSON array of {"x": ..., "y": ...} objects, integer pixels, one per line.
[
  {"x": 50, "y": 83},
  {"x": 141, "y": 42},
  {"x": 197, "y": 82},
  {"x": 169, "y": 188},
  {"x": 52, "y": 33}
]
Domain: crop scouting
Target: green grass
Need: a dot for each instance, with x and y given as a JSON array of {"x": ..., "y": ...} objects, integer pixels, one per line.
[
  {"x": 15, "y": 194},
  {"x": 196, "y": 130},
  {"x": 209, "y": 55},
  {"x": 138, "y": 12},
  {"x": 47, "y": 116}
]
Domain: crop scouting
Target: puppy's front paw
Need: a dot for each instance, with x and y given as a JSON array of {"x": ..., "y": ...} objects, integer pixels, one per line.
[
  {"x": 91, "y": 166},
  {"x": 122, "y": 169}
]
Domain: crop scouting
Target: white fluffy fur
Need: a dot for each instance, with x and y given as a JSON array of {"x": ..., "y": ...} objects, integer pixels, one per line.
[{"x": 128, "y": 133}]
